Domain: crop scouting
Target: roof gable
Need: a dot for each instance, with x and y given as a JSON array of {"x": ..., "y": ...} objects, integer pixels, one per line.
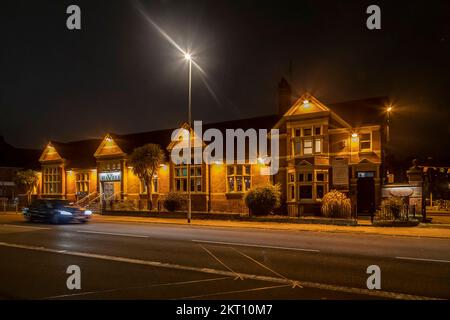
[
  {"x": 50, "y": 154},
  {"x": 195, "y": 140},
  {"x": 306, "y": 104},
  {"x": 108, "y": 147}
]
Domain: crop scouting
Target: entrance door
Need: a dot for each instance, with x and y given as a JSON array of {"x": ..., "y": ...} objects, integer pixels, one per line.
[
  {"x": 108, "y": 190},
  {"x": 366, "y": 193}
]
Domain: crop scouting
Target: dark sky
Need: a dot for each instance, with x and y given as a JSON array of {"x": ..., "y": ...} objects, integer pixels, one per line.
[{"x": 118, "y": 74}]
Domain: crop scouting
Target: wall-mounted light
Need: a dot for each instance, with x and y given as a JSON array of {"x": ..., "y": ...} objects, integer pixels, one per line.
[
  {"x": 354, "y": 135},
  {"x": 306, "y": 103}
]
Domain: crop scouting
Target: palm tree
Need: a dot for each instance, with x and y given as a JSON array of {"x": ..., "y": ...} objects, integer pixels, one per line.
[
  {"x": 145, "y": 161},
  {"x": 28, "y": 179}
]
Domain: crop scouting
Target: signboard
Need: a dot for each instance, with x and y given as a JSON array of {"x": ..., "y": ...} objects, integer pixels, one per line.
[
  {"x": 340, "y": 173},
  {"x": 110, "y": 176}
]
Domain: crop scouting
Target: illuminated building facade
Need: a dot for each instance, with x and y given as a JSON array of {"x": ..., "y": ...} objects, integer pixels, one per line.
[{"x": 322, "y": 147}]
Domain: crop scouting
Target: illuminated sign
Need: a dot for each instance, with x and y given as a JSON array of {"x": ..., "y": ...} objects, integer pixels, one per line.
[{"x": 110, "y": 176}]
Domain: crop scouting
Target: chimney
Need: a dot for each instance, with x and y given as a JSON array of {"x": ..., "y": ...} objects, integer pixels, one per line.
[{"x": 284, "y": 97}]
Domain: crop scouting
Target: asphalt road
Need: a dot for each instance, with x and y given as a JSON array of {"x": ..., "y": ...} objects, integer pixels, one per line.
[{"x": 156, "y": 261}]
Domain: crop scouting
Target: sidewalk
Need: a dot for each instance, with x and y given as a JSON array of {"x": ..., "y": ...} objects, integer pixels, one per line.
[
  {"x": 429, "y": 231},
  {"x": 440, "y": 228}
]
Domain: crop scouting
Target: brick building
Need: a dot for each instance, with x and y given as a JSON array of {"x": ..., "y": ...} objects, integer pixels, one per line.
[{"x": 322, "y": 147}]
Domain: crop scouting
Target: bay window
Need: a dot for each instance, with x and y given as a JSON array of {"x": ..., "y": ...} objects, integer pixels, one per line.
[
  {"x": 307, "y": 141},
  {"x": 310, "y": 185}
]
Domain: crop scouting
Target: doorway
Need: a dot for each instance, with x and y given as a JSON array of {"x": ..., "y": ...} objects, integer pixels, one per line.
[
  {"x": 110, "y": 189},
  {"x": 366, "y": 193}
]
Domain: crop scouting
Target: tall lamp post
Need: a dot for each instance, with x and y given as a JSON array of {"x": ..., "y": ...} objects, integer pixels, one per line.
[
  {"x": 388, "y": 139},
  {"x": 188, "y": 57}
]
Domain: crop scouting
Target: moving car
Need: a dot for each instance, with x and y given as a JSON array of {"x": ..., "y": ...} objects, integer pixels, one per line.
[{"x": 56, "y": 211}]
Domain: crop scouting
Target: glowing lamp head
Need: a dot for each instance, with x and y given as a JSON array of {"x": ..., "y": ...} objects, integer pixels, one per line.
[
  {"x": 305, "y": 101},
  {"x": 354, "y": 135},
  {"x": 187, "y": 56}
]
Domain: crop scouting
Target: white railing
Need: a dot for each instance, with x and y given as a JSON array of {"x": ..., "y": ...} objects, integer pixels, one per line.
[{"x": 84, "y": 199}]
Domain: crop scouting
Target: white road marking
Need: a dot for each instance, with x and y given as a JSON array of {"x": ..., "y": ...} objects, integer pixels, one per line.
[
  {"x": 114, "y": 234},
  {"x": 422, "y": 259},
  {"x": 305, "y": 284},
  {"x": 19, "y": 226},
  {"x": 237, "y": 275},
  {"x": 231, "y": 292},
  {"x": 255, "y": 245},
  {"x": 135, "y": 287},
  {"x": 294, "y": 283}
]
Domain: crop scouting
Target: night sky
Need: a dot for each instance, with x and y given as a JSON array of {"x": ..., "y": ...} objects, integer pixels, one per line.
[{"x": 118, "y": 74}]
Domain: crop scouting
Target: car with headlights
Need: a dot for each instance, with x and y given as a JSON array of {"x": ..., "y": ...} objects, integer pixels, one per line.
[{"x": 56, "y": 211}]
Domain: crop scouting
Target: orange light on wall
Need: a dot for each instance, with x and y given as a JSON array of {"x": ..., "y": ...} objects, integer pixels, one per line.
[
  {"x": 217, "y": 166},
  {"x": 163, "y": 169}
]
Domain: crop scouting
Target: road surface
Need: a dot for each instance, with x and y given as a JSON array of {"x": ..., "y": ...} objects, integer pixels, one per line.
[{"x": 120, "y": 260}]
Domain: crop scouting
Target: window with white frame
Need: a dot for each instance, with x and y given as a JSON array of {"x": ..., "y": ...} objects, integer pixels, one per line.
[
  {"x": 304, "y": 185},
  {"x": 321, "y": 183},
  {"x": 82, "y": 182},
  {"x": 307, "y": 147},
  {"x": 239, "y": 178},
  {"x": 196, "y": 178},
  {"x": 52, "y": 180},
  {"x": 181, "y": 178},
  {"x": 318, "y": 145},
  {"x": 307, "y": 141},
  {"x": 310, "y": 185},
  {"x": 365, "y": 141},
  {"x": 154, "y": 185},
  {"x": 291, "y": 186}
]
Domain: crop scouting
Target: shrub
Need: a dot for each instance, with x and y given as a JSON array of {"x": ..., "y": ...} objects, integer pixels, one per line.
[
  {"x": 336, "y": 205},
  {"x": 264, "y": 199},
  {"x": 391, "y": 209},
  {"x": 173, "y": 201}
]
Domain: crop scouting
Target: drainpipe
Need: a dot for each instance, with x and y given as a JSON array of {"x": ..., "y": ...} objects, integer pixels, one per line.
[{"x": 209, "y": 188}]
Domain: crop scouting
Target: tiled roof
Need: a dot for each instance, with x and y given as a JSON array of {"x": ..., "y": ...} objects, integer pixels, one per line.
[
  {"x": 80, "y": 154},
  {"x": 18, "y": 157},
  {"x": 358, "y": 113}
]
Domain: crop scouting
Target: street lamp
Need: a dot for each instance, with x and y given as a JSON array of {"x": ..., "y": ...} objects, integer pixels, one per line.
[
  {"x": 388, "y": 112},
  {"x": 388, "y": 139},
  {"x": 188, "y": 58}
]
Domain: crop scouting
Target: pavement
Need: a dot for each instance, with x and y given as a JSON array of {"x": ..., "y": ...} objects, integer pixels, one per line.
[
  {"x": 435, "y": 230},
  {"x": 135, "y": 260}
]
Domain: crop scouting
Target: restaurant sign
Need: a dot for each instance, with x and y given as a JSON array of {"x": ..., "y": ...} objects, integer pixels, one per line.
[{"x": 110, "y": 176}]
